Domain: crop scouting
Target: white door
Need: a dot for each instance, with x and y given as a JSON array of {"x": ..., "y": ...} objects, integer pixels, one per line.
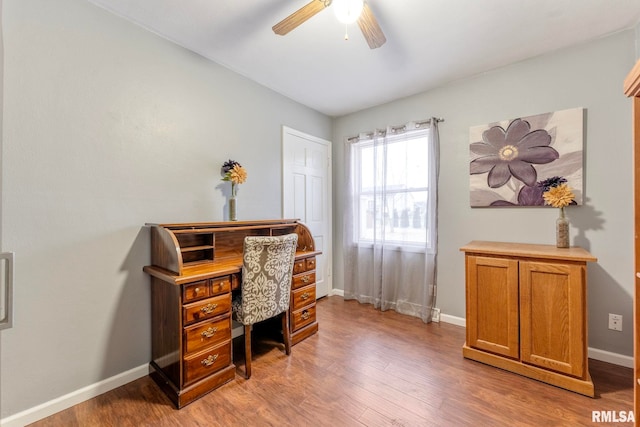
[{"x": 306, "y": 193}]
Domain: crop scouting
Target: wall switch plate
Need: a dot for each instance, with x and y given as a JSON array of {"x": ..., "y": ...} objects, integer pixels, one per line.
[{"x": 615, "y": 322}]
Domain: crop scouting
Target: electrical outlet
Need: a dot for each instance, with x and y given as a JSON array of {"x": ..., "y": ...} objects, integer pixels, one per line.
[{"x": 615, "y": 322}]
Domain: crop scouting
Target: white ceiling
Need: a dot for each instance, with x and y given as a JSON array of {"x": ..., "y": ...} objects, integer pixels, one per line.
[{"x": 429, "y": 42}]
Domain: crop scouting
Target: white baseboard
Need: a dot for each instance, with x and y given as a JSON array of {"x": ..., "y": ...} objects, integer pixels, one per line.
[
  {"x": 609, "y": 357},
  {"x": 63, "y": 402},
  {"x": 454, "y": 320},
  {"x": 337, "y": 292}
]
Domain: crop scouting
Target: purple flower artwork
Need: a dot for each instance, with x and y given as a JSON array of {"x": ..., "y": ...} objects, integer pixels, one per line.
[{"x": 512, "y": 161}]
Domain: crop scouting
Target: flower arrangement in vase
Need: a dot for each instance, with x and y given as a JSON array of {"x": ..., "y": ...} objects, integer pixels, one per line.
[
  {"x": 234, "y": 172},
  {"x": 558, "y": 194}
]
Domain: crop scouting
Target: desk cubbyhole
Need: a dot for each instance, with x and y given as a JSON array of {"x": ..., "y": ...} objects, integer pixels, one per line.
[
  {"x": 198, "y": 256},
  {"x": 195, "y": 240},
  {"x": 196, "y": 247}
]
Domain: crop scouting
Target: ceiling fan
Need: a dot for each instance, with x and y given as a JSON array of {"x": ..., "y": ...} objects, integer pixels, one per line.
[{"x": 346, "y": 11}]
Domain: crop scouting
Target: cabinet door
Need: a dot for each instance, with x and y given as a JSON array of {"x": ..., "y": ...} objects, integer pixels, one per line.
[
  {"x": 492, "y": 305},
  {"x": 553, "y": 323}
]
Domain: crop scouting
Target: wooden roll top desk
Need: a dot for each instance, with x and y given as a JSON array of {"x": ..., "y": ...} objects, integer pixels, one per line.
[{"x": 195, "y": 268}]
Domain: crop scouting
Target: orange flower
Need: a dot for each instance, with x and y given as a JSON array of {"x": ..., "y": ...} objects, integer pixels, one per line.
[
  {"x": 237, "y": 174},
  {"x": 559, "y": 196}
]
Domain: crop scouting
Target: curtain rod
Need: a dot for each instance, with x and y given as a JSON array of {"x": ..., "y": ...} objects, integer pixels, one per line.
[{"x": 397, "y": 128}]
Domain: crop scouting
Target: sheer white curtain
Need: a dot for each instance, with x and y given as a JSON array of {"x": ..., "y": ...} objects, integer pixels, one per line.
[{"x": 390, "y": 219}]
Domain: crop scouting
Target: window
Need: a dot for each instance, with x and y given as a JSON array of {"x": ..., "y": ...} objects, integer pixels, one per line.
[
  {"x": 390, "y": 218},
  {"x": 391, "y": 190}
]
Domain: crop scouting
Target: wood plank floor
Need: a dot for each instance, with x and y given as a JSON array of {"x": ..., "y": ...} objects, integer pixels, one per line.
[{"x": 365, "y": 368}]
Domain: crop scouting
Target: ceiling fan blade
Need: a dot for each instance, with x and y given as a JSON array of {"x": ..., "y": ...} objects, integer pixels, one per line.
[
  {"x": 299, "y": 16},
  {"x": 370, "y": 28}
]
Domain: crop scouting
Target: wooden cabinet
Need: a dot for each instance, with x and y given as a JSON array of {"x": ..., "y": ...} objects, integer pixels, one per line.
[
  {"x": 526, "y": 311},
  {"x": 196, "y": 268}
]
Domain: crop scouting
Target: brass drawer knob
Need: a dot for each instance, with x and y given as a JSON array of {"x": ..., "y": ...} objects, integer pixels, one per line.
[
  {"x": 208, "y": 309},
  {"x": 208, "y": 333},
  {"x": 209, "y": 360},
  {"x": 305, "y": 296},
  {"x": 305, "y": 315},
  {"x": 306, "y": 279}
]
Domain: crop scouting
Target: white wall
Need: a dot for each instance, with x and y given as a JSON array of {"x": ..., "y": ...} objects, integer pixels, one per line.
[
  {"x": 588, "y": 76},
  {"x": 107, "y": 127}
]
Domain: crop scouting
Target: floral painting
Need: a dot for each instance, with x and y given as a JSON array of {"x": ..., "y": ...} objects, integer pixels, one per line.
[{"x": 514, "y": 161}]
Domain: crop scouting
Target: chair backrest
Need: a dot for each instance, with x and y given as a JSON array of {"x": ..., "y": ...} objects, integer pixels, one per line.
[{"x": 266, "y": 276}]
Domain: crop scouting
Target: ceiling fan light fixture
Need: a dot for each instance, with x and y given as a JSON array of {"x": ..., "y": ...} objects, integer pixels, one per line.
[{"x": 347, "y": 11}]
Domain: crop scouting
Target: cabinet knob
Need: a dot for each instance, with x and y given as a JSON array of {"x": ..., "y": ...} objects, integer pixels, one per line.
[
  {"x": 305, "y": 315},
  {"x": 305, "y": 296},
  {"x": 306, "y": 279}
]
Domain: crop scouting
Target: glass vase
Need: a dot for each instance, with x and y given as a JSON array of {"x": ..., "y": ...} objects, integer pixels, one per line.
[
  {"x": 232, "y": 209},
  {"x": 562, "y": 230}
]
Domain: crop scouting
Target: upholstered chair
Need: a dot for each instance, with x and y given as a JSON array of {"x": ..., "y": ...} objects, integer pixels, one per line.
[{"x": 266, "y": 286}]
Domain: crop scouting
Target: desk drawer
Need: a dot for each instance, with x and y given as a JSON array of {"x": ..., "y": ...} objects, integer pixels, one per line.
[
  {"x": 303, "y": 296},
  {"x": 202, "y": 364},
  {"x": 206, "y": 334},
  {"x": 195, "y": 291},
  {"x": 303, "y": 317},
  {"x": 304, "y": 264},
  {"x": 310, "y": 263},
  {"x": 299, "y": 266},
  {"x": 206, "y": 309},
  {"x": 300, "y": 280},
  {"x": 220, "y": 285}
]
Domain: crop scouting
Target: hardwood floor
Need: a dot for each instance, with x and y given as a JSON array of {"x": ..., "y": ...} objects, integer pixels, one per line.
[{"x": 365, "y": 368}]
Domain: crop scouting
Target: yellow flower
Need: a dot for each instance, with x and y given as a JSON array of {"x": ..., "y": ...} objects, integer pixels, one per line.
[
  {"x": 237, "y": 175},
  {"x": 559, "y": 196}
]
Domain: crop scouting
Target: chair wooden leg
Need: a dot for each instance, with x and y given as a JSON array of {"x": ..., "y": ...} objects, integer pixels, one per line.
[
  {"x": 247, "y": 350},
  {"x": 286, "y": 332}
]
